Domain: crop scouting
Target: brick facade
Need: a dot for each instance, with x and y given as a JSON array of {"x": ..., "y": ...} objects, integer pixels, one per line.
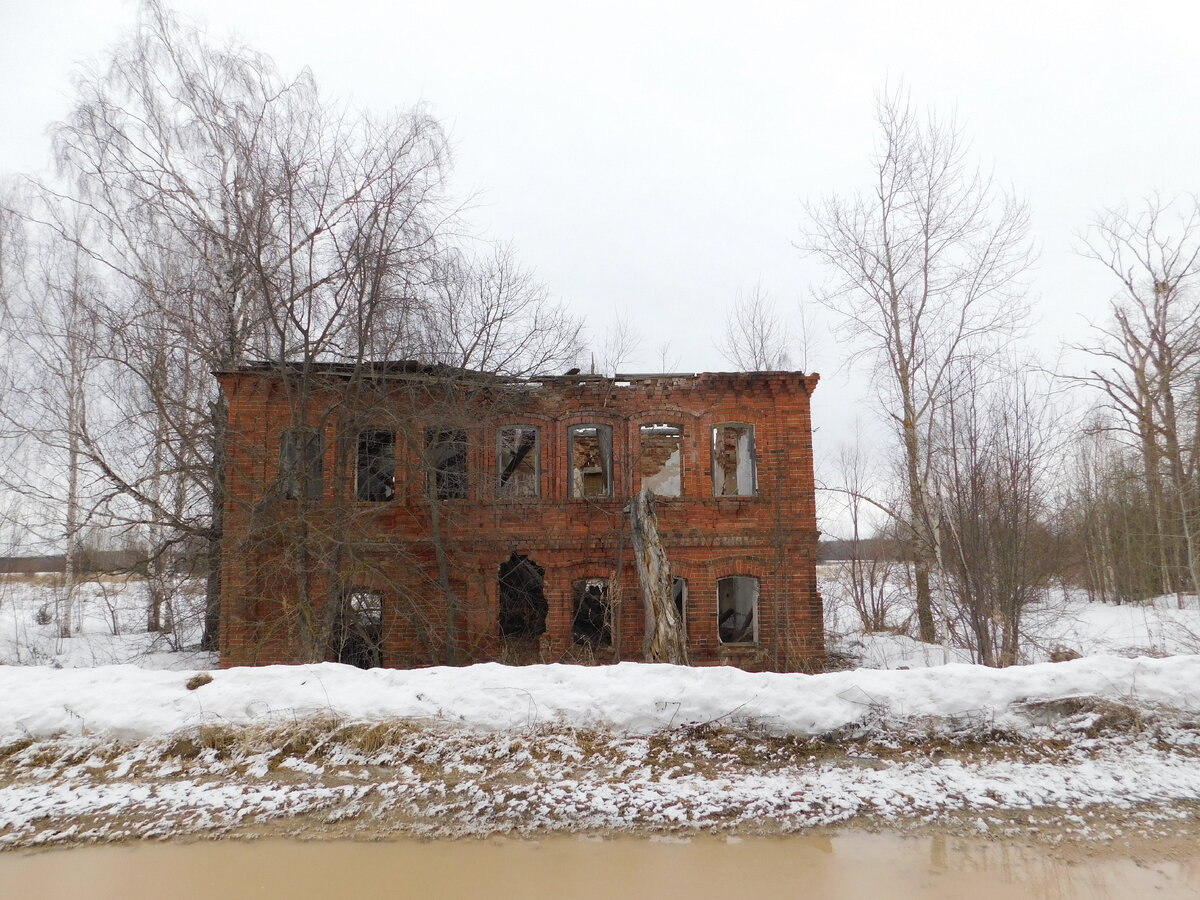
[{"x": 289, "y": 563}]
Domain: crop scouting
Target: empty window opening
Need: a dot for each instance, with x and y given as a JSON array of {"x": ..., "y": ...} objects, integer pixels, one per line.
[
  {"x": 679, "y": 594},
  {"x": 301, "y": 463},
  {"x": 733, "y": 469},
  {"x": 447, "y": 455},
  {"x": 591, "y": 624},
  {"x": 591, "y": 460},
  {"x": 523, "y": 605},
  {"x": 661, "y": 459},
  {"x": 518, "y": 460},
  {"x": 737, "y": 609},
  {"x": 376, "y": 480},
  {"x": 358, "y": 635}
]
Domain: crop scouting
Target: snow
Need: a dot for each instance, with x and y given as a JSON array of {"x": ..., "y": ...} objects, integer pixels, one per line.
[
  {"x": 99, "y": 752},
  {"x": 130, "y": 703},
  {"x": 109, "y": 624}
]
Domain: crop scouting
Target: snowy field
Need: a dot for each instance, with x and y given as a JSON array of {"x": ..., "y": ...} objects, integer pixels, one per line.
[
  {"x": 1164, "y": 626},
  {"x": 107, "y": 624},
  {"x": 1090, "y": 749}
]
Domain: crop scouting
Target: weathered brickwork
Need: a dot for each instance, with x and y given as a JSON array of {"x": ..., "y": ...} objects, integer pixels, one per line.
[{"x": 435, "y": 563}]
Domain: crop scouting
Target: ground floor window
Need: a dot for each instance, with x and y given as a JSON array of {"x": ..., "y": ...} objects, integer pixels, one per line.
[
  {"x": 737, "y": 609},
  {"x": 591, "y": 621},
  {"x": 358, "y": 634},
  {"x": 679, "y": 594},
  {"x": 523, "y": 605}
]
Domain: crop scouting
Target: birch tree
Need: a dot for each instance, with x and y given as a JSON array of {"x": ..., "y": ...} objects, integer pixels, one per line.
[
  {"x": 1148, "y": 362},
  {"x": 756, "y": 337},
  {"x": 925, "y": 269},
  {"x": 247, "y": 219}
]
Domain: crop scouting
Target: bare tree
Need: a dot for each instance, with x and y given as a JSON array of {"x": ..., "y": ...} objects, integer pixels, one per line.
[
  {"x": 995, "y": 549},
  {"x": 665, "y": 636},
  {"x": 237, "y": 216},
  {"x": 620, "y": 344},
  {"x": 925, "y": 271},
  {"x": 1112, "y": 537},
  {"x": 756, "y": 338},
  {"x": 55, "y": 339},
  {"x": 869, "y": 565},
  {"x": 1149, "y": 368}
]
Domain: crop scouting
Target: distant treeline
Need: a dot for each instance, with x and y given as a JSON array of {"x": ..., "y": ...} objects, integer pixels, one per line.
[
  {"x": 89, "y": 561},
  {"x": 865, "y": 548}
]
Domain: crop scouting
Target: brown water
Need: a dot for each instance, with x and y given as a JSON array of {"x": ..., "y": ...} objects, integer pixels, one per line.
[{"x": 880, "y": 867}]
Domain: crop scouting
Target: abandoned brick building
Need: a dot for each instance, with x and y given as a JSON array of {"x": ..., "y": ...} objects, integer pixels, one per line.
[{"x": 407, "y": 516}]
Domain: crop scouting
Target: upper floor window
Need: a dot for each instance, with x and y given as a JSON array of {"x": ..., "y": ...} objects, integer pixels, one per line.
[
  {"x": 737, "y": 609},
  {"x": 446, "y": 455},
  {"x": 590, "y": 460},
  {"x": 733, "y": 469},
  {"x": 660, "y": 459},
  {"x": 301, "y": 463},
  {"x": 376, "y": 470},
  {"x": 518, "y": 461}
]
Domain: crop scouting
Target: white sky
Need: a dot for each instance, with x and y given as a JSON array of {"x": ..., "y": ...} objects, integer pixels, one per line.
[{"x": 653, "y": 158}]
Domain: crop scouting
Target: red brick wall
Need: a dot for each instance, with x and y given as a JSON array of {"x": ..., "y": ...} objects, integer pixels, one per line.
[{"x": 282, "y": 557}]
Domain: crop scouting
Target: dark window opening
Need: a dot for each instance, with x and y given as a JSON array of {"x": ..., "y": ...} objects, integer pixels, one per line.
[
  {"x": 358, "y": 635},
  {"x": 523, "y": 605},
  {"x": 301, "y": 463},
  {"x": 733, "y": 470},
  {"x": 679, "y": 594},
  {"x": 590, "y": 448},
  {"x": 661, "y": 459},
  {"x": 591, "y": 623},
  {"x": 737, "y": 609},
  {"x": 376, "y": 481},
  {"x": 447, "y": 453},
  {"x": 518, "y": 459}
]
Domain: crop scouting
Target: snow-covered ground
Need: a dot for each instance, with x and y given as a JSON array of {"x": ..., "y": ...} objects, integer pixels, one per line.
[
  {"x": 1088, "y": 747},
  {"x": 107, "y": 624},
  {"x": 1066, "y": 620}
]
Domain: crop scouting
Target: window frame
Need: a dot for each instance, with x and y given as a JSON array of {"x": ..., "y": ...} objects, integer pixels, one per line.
[
  {"x": 610, "y": 473},
  {"x": 679, "y": 594},
  {"x": 301, "y": 471},
  {"x": 503, "y": 491},
  {"x": 751, "y": 450},
  {"x": 445, "y": 483},
  {"x": 642, "y": 431},
  {"x": 579, "y": 588},
  {"x": 361, "y": 490},
  {"x": 754, "y": 611}
]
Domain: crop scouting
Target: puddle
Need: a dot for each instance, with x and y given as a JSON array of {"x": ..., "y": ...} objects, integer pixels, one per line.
[{"x": 844, "y": 864}]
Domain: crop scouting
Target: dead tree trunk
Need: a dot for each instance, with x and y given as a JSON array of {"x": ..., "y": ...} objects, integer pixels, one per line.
[{"x": 665, "y": 639}]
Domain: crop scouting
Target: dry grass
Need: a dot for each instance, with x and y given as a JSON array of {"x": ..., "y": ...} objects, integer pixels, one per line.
[{"x": 198, "y": 681}]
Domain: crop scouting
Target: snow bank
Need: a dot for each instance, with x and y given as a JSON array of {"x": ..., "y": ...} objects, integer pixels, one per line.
[{"x": 131, "y": 703}]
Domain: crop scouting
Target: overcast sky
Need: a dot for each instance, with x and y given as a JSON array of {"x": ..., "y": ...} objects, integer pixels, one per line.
[{"x": 651, "y": 159}]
